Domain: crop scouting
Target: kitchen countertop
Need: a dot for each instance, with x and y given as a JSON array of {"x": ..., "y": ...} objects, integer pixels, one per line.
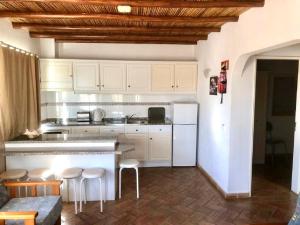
[
  {"x": 60, "y": 143},
  {"x": 53, "y": 122}
]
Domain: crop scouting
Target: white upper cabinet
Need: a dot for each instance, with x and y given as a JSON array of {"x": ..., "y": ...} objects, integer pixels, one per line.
[
  {"x": 56, "y": 74},
  {"x": 135, "y": 77},
  {"x": 185, "y": 77},
  {"x": 113, "y": 77},
  {"x": 138, "y": 77},
  {"x": 86, "y": 76},
  {"x": 162, "y": 78}
]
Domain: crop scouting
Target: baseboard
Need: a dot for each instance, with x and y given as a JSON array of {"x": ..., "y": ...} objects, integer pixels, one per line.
[{"x": 227, "y": 196}]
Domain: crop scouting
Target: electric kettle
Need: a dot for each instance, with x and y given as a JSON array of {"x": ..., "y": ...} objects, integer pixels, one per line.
[{"x": 98, "y": 115}]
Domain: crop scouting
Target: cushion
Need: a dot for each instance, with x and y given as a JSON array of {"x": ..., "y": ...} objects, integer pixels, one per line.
[
  {"x": 48, "y": 208},
  {"x": 296, "y": 217},
  {"x": 4, "y": 196}
]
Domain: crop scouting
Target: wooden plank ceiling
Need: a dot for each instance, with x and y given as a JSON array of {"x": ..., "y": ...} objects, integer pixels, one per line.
[{"x": 150, "y": 21}]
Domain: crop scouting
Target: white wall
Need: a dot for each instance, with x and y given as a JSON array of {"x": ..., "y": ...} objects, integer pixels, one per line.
[
  {"x": 225, "y": 137},
  {"x": 126, "y": 51},
  {"x": 17, "y": 38}
]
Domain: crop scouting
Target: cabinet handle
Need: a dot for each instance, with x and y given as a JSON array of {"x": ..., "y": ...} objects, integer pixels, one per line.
[
  {"x": 150, "y": 138},
  {"x": 98, "y": 85},
  {"x": 102, "y": 85},
  {"x": 136, "y": 130},
  {"x": 160, "y": 129},
  {"x": 172, "y": 86},
  {"x": 177, "y": 86},
  {"x": 129, "y": 86}
]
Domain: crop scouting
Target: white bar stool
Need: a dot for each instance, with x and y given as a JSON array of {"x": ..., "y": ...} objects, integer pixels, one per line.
[
  {"x": 71, "y": 174},
  {"x": 93, "y": 173},
  {"x": 40, "y": 174},
  {"x": 129, "y": 164},
  {"x": 14, "y": 174}
]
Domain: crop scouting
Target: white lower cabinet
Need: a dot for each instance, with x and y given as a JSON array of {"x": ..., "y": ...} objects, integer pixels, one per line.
[
  {"x": 85, "y": 130},
  {"x": 160, "y": 142},
  {"x": 152, "y": 143}
]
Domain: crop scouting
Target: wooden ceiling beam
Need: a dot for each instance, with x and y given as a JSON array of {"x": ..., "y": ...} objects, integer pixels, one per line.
[
  {"x": 52, "y": 27},
  {"x": 158, "y": 3},
  {"x": 120, "y": 17},
  {"x": 61, "y": 40},
  {"x": 124, "y": 37}
]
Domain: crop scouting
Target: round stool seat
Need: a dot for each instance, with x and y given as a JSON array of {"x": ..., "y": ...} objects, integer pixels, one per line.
[
  {"x": 13, "y": 174},
  {"x": 41, "y": 173},
  {"x": 129, "y": 163},
  {"x": 71, "y": 173},
  {"x": 93, "y": 173}
]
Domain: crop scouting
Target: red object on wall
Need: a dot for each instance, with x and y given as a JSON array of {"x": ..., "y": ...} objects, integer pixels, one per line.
[{"x": 222, "y": 84}]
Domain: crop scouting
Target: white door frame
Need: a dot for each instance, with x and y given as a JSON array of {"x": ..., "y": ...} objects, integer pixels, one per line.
[{"x": 295, "y": 185}]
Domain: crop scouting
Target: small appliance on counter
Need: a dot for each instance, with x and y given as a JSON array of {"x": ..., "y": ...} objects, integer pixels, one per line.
[
  {"x": 98, "y": 115},
  {"x": 185, "y": 120},
  {"x": 156, "y": 114},
  {"x": 83, "y": 117}
]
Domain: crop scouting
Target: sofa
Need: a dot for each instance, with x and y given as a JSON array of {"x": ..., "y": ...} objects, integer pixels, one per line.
[{"x": 33, "y": 210}]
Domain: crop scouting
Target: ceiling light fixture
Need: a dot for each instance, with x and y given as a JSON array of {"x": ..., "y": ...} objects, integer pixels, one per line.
[{"x": 124, "y": 8}]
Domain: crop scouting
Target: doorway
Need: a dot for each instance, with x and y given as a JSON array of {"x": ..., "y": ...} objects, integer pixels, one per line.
[{"x": 274, "y": 123}]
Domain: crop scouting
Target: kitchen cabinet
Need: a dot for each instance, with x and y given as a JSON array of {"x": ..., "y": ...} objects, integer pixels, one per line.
[
  {"x": 160, "y": 142},
  {"x": 113, "y": 77},
  {"x": 162, "y": 78},
  {"x": 86, "y": 76},
  {"x": 138, "y": 77},
  {"x": 56, "y": 75},
  {"x": 134, "y": 77},
  {"x": 140, "y": 141},
  {"x": 85, "y": 130},
  {"x": 111, "y": 130},
  {"x": 185, "y": 78}
]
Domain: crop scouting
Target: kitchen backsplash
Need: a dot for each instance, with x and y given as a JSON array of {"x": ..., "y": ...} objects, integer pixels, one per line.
[{"x": 67, "y": 104}]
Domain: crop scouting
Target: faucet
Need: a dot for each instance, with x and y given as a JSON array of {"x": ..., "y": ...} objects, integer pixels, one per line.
[{"x": 130, "y": 117}]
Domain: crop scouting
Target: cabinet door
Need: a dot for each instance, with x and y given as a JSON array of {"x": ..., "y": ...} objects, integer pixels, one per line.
[
  {"x": 85, "y": 130},
  {"x": 186, "y": 78},
  {"x": 160, "y": 143},
  {"x": 86, "y": 76},
  {"x": 113, "y": 77},
  {"x": 162, "y": 78},
  {"x": 140, "y": 142},
  {"x": 138, "y": 77},
  {"x": 56, "y": 75}
]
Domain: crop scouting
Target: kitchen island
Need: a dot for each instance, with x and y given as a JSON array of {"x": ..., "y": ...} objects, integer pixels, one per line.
[{"x": 60, "y": 151}]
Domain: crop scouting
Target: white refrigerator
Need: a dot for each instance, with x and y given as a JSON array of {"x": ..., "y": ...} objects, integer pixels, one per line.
[{"x": 185, "y": 119}]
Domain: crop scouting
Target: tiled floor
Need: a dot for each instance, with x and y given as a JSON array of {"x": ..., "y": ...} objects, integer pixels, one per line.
[{"x": 172, "y": 196}]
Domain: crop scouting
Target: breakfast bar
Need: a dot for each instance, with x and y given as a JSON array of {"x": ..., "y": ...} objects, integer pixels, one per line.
[{"x": 58, "y": 152}]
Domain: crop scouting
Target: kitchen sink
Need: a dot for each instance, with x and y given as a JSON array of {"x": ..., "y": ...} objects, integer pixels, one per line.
[{"x": 136, "y": 121}]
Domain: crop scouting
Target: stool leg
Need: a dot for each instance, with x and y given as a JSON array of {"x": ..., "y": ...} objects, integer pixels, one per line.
[
  {"x": 105, "y": 183},
  {"x": 137, "y": 183},
  {"x": 75, "y": 200},
  {"x": 80, "y": 194},
  {"x": 101, "y": 195},
  {"x": 120, "y": 182},
  {"x": 84, "y": 186},
  {"x": 68, "y": 192},
  {"x": 45, "y": 188}
]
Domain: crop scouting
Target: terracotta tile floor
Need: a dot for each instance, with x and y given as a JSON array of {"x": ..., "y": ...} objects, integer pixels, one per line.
[{"x": 171, "y": 196}]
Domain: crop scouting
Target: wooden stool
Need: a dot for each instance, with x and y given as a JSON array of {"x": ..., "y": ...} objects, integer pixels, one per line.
[
  {"x": 14, "y": 174},
  {"x": 129, "y": 164},
  {"x": 71, "y": 174},
  {"x": 93, "y": 173}
]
